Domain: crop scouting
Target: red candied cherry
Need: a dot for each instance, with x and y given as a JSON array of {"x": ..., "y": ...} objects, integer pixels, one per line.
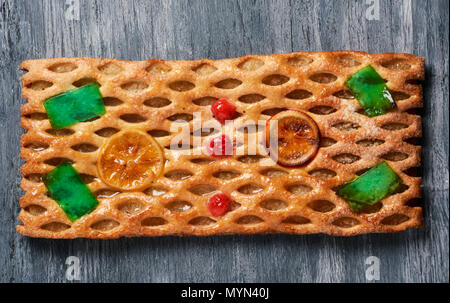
[
  {"x": 223, "y": 110},
  {"x": 219, "y": 204},
  {"x": 220, "y": 146}
]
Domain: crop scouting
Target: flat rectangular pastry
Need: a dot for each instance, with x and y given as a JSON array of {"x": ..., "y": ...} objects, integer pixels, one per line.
[{"x": 323, "y": 142}]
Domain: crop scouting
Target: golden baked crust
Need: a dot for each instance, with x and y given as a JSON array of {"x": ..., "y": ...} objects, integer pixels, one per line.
[{"x": 311, "y": 208}]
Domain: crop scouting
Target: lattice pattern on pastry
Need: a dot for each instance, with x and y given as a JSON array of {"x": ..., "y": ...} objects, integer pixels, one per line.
[{"x": 151, "y": 95}]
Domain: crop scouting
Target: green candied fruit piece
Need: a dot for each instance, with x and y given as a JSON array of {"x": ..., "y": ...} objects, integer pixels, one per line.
[
  {"x": 371, "y": 187},
  {"x": 68, "y": 189},
  {"x": 371, "y": 91},
  {"x": 75, "y": 106}
]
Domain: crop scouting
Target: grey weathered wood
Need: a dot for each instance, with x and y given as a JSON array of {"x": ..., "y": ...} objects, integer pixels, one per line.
[{"x": 137, "y": 30}]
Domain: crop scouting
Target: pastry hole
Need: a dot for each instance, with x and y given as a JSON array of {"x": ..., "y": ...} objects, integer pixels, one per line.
[
  {"x": 415, "y": 111},
  {"x": 249, "y": 220},
  {"x": 361, "y": 111},
  {"x": 202, "y": 161},
  {"x": 36, "y": 146},
  {"x": 158, "y": 69},
  {"x": 393, "y": 126},
  {"x": 394, "y": 156},
  {"x": 346, "y": 158},
  {"x": 346, "y": 126},
  {"x": 90, "y": 120},
  {"x": 414, "y": 141},
  {"x": 37, "y": 116},
  {"x": 414, "y": 202},
  {"x": 370, "y": 142},
  {"x": 181, "y": 86},
  {"x": 36, "y": 178},
  {"x": 178, "y": 146},
  {"x": 371, "y": 209},
  {"x": 322, "y": 110},
  {"x": 88, "y": 178},
  {"x": 134, "y": 86},
  {"x": 157, "y": 133},
  {"x": 344, "y": 94},
  {"x": 111, "y": 101},
  {"x": 273, "y": 111},
  {"x": 106, "y": 132},
  {"x": 396, "y": 64},
  {"x": 298, "y": 188},
  {"x": 251, "y": 128},
  {"x": 110, "y": 69},
  {"x": 57, "y": 161},
  {"x": 179, "y": 174},
  {"x": 35, "y": 210},
  {"x": 228, "y": 83},
  {"x": 251, "y": 64},
  {"x": 62, "y": 67},
  {"x": 204, "y": 69},
  {"x": 153, "y": 221},
  {"x": 323, "y": 78},
  {"x": 202, "y": 190},
  {"x": 327, "y": 142},
  {"x": 205, "y": 101},
  {"x": 106, "y": 193},
  {"x": 299, "y": 94},
  {"x": 130, "y": 207},
  {"x": 84, "y": 81},
  {"x": 181, "y": 117},
  {"x": 133, "y": 118},
  {"x": 250, "y": 158},
  {"x": 201, "y": 221},
  {"x": 413, "y": 81},
  {"x": 273, "y": 204},
  {"x": 157, "y": 102},
  {"x": 347, "y": 61},
  {"x": 274, "y": 172},
  {"x": 155, "y": 191},
  {"x": 322, "y": 206},
  {"x": 250, "y": 189},
  {"x": 84, "y": 148},
  {"x": 226, "y": 174},
  {"x": 179, "y": 206},
  {"x": 105, "y": 225},
  {"x": 362, "y": 171},
  {"x": 55, "y": 226},
  {"x": 395, "y": 219},
  {"x": 275, "y": 80},
  {"x": 401, "y": 189},
  {"x": 299, "y": 61},
  {"x": 39, "y": 85},
  {"x": 251, "y": 98},
  {"x": 346, "y": 222},
  {"x": 322, "y": 173},
  {"x": 399, "y": 96},
  {"x": 203, "y": 132},
  {"x": 234, "y": 205},
  {"x": 296, "y": 220}
]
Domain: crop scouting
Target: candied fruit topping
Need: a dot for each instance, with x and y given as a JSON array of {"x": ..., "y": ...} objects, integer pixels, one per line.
[{"x": 77, "y": 105}]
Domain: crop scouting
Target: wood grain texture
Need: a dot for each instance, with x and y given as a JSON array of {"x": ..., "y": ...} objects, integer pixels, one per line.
[{"x": 182, "y": 29}]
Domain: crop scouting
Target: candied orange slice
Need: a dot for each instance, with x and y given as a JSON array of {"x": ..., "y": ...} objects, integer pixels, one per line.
[
  {"x": 130, "y": 160},
  {"x": 292, "y": 137}
]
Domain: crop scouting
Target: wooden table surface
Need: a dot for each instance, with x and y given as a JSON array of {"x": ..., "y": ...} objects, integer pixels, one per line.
[{"x": 182, "y": 29}]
